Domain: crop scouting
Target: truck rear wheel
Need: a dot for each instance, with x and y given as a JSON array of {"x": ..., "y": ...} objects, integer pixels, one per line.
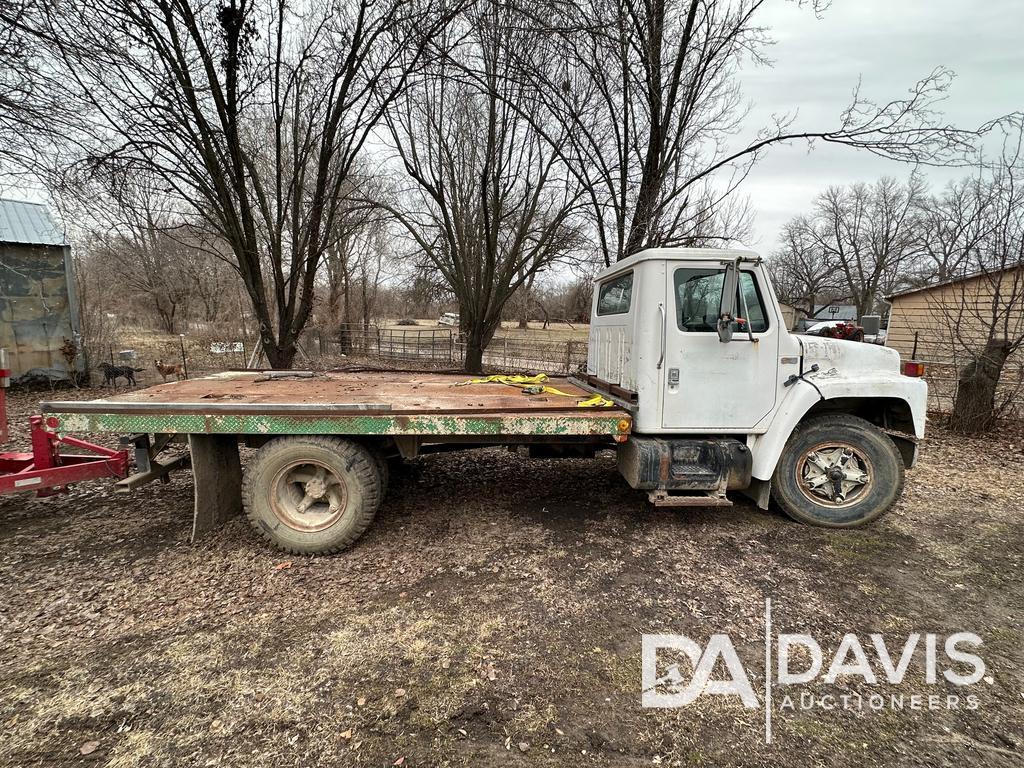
[
  {"x": 312, "y": 495},
  {"x": 838, "y": 471}
]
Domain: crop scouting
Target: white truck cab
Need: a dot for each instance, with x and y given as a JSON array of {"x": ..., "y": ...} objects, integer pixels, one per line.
[{"x": 725, "y": 397}]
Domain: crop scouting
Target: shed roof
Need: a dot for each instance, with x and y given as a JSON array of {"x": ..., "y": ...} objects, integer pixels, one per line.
[
  {"x": 28, "y": 224},
  {"x": 952, "y": 280}
]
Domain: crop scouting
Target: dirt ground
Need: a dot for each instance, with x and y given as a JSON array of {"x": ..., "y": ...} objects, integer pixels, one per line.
[{"x": 493, "y": 616}]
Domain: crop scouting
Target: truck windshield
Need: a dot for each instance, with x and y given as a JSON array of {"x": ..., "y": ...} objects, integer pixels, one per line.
[{"x": 699, "y": 299}]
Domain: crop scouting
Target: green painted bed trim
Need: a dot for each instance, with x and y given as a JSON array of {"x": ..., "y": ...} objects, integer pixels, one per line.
[{"x": 554, "y": 424}]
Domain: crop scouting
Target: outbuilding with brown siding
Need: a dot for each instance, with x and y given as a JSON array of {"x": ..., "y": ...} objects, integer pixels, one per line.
[
  {"x": 947, "y": 324},
  {"x": 955, "y": 316}
]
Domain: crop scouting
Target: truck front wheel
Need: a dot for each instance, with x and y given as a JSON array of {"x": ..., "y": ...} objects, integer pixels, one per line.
[
  {"x": 838, "y": 471},
  {"x": 312, "y": 495}
]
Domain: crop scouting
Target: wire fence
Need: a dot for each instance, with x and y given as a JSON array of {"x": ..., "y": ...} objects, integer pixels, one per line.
[
  {"x": 943, "y": 383},
  {"x": 441, "y": 348}
]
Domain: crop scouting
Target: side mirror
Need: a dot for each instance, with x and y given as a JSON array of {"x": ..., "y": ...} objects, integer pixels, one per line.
[{"x": 727, "y": 311}]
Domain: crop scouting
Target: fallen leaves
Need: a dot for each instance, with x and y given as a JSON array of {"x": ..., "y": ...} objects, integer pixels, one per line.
[
  {"x": 453, "y": 650},
  {"x": 88, "y": 748}
]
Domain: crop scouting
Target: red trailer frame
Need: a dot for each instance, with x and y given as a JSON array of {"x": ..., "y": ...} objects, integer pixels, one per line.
[{"x": 46, "y": 470}]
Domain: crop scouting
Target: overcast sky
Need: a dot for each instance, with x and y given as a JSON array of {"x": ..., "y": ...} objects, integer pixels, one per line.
[{"x": 889, "y": 44}]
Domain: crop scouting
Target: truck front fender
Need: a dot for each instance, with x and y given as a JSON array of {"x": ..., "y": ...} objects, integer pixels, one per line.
[{"x": 894, "y": 401}]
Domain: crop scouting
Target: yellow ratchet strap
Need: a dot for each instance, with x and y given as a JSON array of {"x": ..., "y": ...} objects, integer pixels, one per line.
[{"x": 534, "y": 385}]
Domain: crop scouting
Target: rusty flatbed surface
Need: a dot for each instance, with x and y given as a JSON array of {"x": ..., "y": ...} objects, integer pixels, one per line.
[{"x": 254, "y": 402}]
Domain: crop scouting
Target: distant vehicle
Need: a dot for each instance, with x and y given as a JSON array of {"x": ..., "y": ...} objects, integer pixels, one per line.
[
  {"x": 845, "y": 329},
  {"x": 836, "y": 329},
  {"x": 818, "y": 328},
  {"x": 449, "y": 318}
]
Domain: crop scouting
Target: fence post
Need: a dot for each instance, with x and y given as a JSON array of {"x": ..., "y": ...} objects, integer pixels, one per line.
[
  {"x": 568, "y": 357},
  {"x": 184, "y": 361}
]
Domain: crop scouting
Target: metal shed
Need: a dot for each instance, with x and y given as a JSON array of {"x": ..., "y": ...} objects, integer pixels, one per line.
[{"x": 38, "y": 308}]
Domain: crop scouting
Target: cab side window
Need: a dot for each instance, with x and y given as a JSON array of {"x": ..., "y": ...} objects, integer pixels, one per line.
[
  {"x": 698, "y": 297},
  {"x": 615, "y": 296},
  {"x": 699, "y": 300}
]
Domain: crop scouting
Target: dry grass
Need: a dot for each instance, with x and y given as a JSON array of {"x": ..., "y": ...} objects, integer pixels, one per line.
[{"x": 496, "y": 601}]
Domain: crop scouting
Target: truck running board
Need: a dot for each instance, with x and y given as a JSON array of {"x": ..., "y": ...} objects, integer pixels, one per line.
[{"x": 706, "y": 499}]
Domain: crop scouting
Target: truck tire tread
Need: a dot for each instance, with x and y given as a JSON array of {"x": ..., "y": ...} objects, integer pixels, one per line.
[
  {"x": 357, "y": 463},
  {"x": 840, "y": 426}
]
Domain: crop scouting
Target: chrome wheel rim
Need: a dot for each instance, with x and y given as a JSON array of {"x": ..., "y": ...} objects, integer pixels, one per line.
[
  {"x": 835, "y": 475},
  {"x": 308, "y": 496}
]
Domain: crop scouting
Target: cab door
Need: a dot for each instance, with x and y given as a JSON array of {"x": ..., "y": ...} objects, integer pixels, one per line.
[{"x": 708, "y": 385}]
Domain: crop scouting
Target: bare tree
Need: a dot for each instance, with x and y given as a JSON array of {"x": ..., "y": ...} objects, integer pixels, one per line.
[
  {"x": 95, "y": 286},
  {"x": 984, "y": 310},
  {"x": 177, "y": 273},
  {"x": 802, "y": 274},
  {"x": 355, "y": 264},
  {"x": 649, "y": 92},
  {"x": 488, "y": 205},
  {"x": 250, "y": 114},
  {"x": 952, "y": 226},
  {"x": 866, "y": 236},
  {"x": 24, "y": 101}
]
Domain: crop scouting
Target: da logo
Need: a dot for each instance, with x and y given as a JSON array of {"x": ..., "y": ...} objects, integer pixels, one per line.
[{"x": 677, "y": 687}]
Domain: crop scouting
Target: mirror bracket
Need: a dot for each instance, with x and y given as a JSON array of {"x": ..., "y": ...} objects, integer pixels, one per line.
[{"x": 727, "y": 311}]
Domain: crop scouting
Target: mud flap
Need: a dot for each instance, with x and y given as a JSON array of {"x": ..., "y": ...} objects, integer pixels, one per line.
[
  {"x": 217, "y": 474},
  {"x": 759, "y": 492}
]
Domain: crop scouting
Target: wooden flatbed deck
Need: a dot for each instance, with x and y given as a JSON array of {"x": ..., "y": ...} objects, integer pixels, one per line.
[{"x": 263, "y": 402}]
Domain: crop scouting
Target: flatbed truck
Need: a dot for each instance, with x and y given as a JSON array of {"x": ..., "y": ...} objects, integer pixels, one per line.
[{"x": 692, "y": 378}]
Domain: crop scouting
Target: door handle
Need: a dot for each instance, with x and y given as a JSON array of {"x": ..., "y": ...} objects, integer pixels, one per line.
[{"x": 664, "y": 320}]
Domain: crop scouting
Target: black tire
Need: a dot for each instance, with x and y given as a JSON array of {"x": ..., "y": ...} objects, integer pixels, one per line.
[
  {"x": 383, "y": 469},
  {"x": 874, "y": 456},
  {"x": 273, "y": 495}
]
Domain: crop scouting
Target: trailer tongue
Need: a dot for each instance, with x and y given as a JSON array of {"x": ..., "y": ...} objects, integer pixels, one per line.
[{"x": 45, "y": 469}]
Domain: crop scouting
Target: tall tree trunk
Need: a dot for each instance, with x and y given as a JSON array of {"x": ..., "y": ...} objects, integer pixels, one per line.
[
  {"x": 527, "y": 295},
  {"x": 478, "y": 335},
  {"x": 365, "y": 301},
  {"x": 280, "y": 355},
  {"x": 474, "y": 355},
  {"x": 974, "y": 410},
  {"x": 166, "y": 315},
  {"x": 345, "y": 330}
]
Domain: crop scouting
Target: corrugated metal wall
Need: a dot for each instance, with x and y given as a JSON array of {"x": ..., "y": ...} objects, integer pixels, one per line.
[{"x": 35, "y": 309}]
